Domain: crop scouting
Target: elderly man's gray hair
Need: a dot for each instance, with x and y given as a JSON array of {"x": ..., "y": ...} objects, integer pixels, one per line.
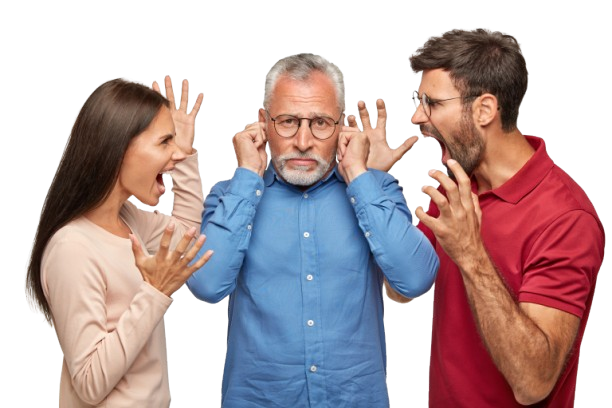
[{"x": 299, "y": 67}]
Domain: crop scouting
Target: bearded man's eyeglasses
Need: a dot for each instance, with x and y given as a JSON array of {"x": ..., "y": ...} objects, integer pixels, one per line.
[{"x": 428, "y": 102}]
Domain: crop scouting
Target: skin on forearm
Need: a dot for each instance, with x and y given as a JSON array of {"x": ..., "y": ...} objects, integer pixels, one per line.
[{"x": 528, "y": 343}]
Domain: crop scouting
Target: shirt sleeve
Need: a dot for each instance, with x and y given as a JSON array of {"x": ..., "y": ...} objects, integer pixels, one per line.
[
  {"x": 404, "y": 254},
  {"x": 227, "y": 222},
  {"x": 561, "y": 268},
  {"x": 75, "y": 288}
]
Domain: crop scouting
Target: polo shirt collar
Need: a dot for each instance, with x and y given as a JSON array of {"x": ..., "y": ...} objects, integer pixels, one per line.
[{"x": 529, "y": 176}]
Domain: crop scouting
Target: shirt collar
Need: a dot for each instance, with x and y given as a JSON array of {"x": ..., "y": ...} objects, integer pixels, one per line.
[
  {"x": 529, "y": 176},
  {"x": 270, "y": 176}
]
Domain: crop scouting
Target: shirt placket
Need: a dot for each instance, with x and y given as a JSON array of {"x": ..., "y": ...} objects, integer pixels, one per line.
[{"x": 311, "y": 302}]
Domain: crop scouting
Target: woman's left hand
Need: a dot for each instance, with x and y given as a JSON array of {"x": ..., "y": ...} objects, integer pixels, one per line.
[
  {"x": 168, "y": 269},
  {"x": 184, "y": 123}
]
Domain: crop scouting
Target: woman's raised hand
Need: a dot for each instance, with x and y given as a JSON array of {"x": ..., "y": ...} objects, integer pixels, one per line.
[{"x": 184, "y": 123}]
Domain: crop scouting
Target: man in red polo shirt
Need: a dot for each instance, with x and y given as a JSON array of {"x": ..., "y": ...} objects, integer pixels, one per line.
[{"x": 519, "y": 242}]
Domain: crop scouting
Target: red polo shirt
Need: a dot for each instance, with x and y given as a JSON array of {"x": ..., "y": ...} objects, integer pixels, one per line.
[{"x": 547, "y": 243}]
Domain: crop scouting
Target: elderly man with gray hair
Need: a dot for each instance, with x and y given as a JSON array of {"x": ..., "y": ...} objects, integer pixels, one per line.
[{"x": 303, "y": 246}]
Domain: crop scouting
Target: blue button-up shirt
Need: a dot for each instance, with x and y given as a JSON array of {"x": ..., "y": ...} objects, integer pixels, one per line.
[{"x": 304, "y": 270}]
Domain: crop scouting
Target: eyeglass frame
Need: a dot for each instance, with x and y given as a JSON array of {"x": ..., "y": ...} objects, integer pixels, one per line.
[
  {"x": 336, "y": 122},
  {"x": 426, "y": 101}
]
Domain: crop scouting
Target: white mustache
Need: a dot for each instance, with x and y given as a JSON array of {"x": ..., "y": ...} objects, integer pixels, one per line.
[{"x": 289, "y": 156}]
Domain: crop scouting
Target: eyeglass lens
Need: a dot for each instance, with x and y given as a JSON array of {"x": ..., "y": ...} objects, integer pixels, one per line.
[{"x": 423, "y": 100}]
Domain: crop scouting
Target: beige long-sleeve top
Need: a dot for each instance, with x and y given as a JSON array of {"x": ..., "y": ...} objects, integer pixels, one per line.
[{"x": 109, "y": 322}]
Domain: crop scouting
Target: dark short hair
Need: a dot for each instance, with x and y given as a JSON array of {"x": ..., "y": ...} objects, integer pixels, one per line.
[{"x": 478, "y": 62}]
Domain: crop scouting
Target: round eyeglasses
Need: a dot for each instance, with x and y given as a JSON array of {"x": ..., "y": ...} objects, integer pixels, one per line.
[
  {"x": 322, "y": 127},
  {"x": 428, "y": 102}
]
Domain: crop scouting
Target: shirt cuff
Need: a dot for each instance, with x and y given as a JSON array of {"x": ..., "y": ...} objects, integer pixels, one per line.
[
  {"x": 159, "y": 297},
  {"x": 363, "y": 190},
  {"x": 190, "y": 157}
]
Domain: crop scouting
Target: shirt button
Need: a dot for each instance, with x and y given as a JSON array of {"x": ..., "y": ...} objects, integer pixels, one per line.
[
  {"x": 257, "y": 193},
  {"x": 306, "y": 235},
  {"x": 305, "y": 195},
  {"x": 353, "y": 201},
  {"x": 249, "y": 227},
  {"x": 309, "y": 277},
  {"x": 310, "y": 323},
  {"x": 313, "y": 368},
  {"x": 367, "y": 234}
]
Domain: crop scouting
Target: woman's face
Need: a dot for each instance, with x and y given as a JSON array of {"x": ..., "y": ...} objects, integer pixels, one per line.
[{"x": 148, "y": 156}]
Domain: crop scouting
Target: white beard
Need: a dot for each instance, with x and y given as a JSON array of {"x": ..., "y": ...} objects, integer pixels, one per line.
[{"x": 300, "y": 175}]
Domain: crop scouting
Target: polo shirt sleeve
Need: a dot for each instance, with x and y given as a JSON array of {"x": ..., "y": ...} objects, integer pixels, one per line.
[
  {"x": 403, "y": 253},
  {"x": 562, "y": 266},
  {"x": 227, "y": 221}
]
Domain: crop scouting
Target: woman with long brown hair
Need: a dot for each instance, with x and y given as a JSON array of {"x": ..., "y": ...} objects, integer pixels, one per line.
[{"x": 91, "y": 272}]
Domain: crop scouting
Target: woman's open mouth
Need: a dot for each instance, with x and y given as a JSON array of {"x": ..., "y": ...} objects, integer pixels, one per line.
[{"x": 160, "y": 183}]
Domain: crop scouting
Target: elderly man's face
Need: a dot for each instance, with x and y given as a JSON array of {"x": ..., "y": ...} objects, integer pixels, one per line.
[{"x": 302, "y": 159}]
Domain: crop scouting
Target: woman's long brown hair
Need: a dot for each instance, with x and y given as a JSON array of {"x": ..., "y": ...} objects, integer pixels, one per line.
[{"x": 115, "y": 113}]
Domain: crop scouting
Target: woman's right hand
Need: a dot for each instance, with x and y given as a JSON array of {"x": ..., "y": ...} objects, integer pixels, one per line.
[
  {"x": 168, "y": 270},
  {"x": 184, "y": 123}
]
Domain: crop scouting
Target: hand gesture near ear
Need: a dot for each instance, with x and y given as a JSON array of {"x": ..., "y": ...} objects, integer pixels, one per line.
[
  {"x": 250, "y": 148},
  {"x": 352, "y": 153},
  {"x": 167, "y": 270},
  {"x": 184, "y": 123}
]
